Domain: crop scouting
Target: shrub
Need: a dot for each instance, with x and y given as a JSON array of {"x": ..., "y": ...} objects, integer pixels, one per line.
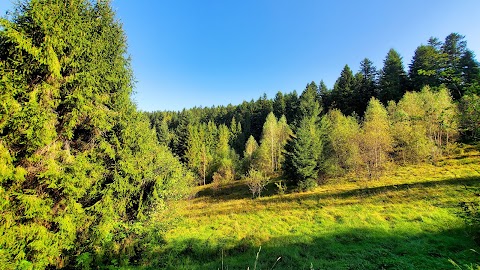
[{"x": 256, "y": 181}]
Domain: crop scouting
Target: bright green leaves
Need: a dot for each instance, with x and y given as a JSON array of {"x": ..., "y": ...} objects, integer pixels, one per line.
[{"x": 78, "y": 162}]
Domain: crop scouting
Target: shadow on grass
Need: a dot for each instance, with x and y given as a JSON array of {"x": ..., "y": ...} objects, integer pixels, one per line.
[
  {"x": 366, "y": 192},
  {"x": 352, "y": 249},
  {"x": 236, "y": 190},
  {"x": 382, "y": 194},
  {"x": 239, "y": 190}
]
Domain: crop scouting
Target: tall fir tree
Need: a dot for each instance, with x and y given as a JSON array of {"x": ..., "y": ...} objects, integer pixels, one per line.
[
  {"x": 342, "y": 92},
  {"x": 393, "y": 78},
  {"x": 303, "y": 152},
  {"x": 426, "y": 66},
  {"x": 453, "y": 49},
  {"x": 470, "y": 73},
  {"x": 365, "y": 87}
]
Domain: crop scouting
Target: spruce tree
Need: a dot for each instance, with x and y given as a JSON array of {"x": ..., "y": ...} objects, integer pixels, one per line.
[
  {"x": 342, "y": 93},
  {"x": 303, "y": 152},
  {"x": 470, "y": 73},
  {"x": 392, "y": 82},
  {"x": 365, "y": 87},
  {"x": 426, "y": 66},
  {"x": 302, "y": 155}
]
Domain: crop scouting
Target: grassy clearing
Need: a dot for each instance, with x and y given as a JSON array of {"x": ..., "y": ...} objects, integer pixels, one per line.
[{"x": 408, "y": 219}]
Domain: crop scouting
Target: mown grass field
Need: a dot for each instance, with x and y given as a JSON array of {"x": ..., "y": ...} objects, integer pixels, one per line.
[{"x": 407, "y": 219}]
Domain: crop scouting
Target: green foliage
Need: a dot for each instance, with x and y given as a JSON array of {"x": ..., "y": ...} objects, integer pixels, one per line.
[
  {"x": 426, "y": 64},
  {"x": 201, "y": 147},
  {"x": 407, "y": 219},
  {"x": 469, "y": 107},
  {"x": 424, "y": 124},
  {"x": 376, "y": 139},
  {"x": 251, "y": 147},
  {"x": 281, "y": 187},
  {"x": 85, "y": 179},
  {"x": 303, "y": 155},
  {"x": 341, "y": 150},
  {"x": 342, "y": 93},
  {"x": 79, "y": 164},
  {"x": 449, "y": 63},
  {"x": 393, "y": 79},
  {"x": 411, "y": 144},
  {"x": 365, "y": 86},
  {"x": 256, "y": 181},
  {"x": 269, "y": 155}
]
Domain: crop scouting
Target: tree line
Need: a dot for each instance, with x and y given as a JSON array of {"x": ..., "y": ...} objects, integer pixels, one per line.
[
  {"x": 85, "y": 176},
  {"x": 328, "y": 132}
]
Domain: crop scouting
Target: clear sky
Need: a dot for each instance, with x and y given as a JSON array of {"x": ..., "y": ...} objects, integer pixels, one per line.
[{"x": 204, "y": 53}]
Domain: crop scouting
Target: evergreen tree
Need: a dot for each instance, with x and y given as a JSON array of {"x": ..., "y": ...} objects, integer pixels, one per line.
[
  {"x": 453, "y": 49},
  {"x": 201, "y": 147},
  {"x": 250, "y": 147},
  {"x": 303, "y": 152},
  {"x": 365, "y": 87},
  {"x": 279, "y": 104},
  {"x": 392, "y": 82},
  {"x": 302, "y": 155},
  {"x": 470, "y": 73},
  {"x": 292, "y": 104},
  {"x": 426, "y": 66},
  {"x": 78, "y": 162},
  {"x": 342, "y": 92},
  {"x": 310, "y": 101},
  {"x": 325, "y": 96},
  {"x": 225, "y": 157},
  {"x": 284, "y": 135}
]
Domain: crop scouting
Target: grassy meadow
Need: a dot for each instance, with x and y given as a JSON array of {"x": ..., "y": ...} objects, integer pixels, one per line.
[{"x": 407, "y": 219}]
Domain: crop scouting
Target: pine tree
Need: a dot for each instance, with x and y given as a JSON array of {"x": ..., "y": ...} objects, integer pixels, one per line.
[
  {"x": 310, "y": 101},
  {"x": 470, "y": 117},
  {"x": 325, "y": 95}
]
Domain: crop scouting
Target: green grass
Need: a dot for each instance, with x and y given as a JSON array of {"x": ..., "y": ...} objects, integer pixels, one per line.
[{"x": 407, "y": 219}]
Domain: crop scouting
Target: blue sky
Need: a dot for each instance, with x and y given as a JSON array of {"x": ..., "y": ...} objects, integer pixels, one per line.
[{"x": 204, "y": 53}]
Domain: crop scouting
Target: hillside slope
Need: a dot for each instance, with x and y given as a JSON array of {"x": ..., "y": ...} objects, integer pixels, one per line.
[{"x": 408, "y": 219}]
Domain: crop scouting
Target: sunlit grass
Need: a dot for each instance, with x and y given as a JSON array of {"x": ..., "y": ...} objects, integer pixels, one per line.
[{"x": 407, "y": 219}]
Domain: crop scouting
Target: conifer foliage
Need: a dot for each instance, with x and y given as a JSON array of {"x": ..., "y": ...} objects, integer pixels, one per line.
[{"x": 79, "y": 165}]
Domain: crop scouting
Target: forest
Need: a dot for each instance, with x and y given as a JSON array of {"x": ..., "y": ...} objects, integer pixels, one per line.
[{"x": 87, "y": 180}]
